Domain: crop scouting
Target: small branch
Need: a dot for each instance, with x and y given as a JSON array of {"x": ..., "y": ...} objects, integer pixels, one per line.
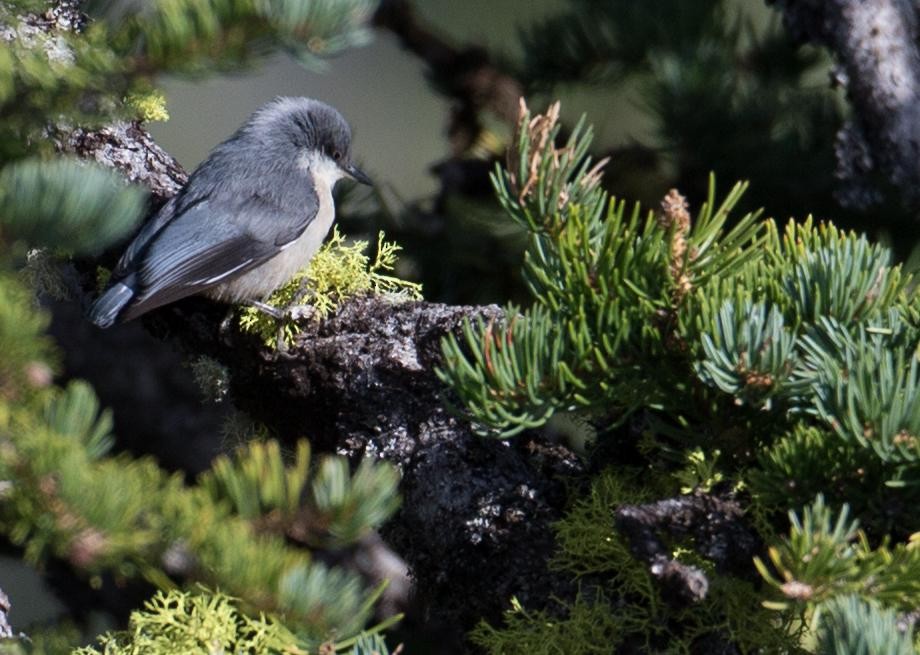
[
  {"x": 715, "y": 526},
  {"x": 129, "y": 149},
  {"x": 124, "y": 146},
  {"x": 876, "y": 43}
]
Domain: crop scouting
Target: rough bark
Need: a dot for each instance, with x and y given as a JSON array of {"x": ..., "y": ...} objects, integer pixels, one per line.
[
  {"x": 362, "y": 383},
  {"x": 129, "y": 149},
  {"x": 876, "y": 45},
  {"x": 715, "y": 526}
]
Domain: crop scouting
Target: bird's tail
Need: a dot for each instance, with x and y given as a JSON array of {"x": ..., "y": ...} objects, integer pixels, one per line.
[{"x": 104, "y": 312}]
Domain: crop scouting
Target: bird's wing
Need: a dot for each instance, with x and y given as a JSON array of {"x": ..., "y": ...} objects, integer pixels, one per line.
[
  {"x": 212, "y": 242},
  {"x": 143, "y": 237}
]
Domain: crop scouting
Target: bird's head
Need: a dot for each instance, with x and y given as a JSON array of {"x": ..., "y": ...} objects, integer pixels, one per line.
[{"x": 319, "y": 133}]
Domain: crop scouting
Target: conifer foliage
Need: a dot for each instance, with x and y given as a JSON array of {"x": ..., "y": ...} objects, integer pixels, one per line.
[
  {"x": 245, "y": 528},
  {"x": 785, "y": 358}
]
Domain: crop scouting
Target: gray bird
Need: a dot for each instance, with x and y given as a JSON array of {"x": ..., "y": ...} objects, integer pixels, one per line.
[{"x": 251, "y": 215}]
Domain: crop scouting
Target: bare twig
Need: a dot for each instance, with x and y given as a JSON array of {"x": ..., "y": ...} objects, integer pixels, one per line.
[{"x": 6, "y": 631}]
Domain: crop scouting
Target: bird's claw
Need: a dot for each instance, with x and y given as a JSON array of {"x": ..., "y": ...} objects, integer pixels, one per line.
[{"x": 274, "y": 312}]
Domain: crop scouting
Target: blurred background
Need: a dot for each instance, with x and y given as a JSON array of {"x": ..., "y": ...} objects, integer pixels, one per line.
[
  {"x": 398, "y": 117},
  {"x": 673, "y": 92}
]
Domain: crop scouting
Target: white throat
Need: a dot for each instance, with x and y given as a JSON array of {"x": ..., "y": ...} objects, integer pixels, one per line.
[{"x": 324, "y": 170}]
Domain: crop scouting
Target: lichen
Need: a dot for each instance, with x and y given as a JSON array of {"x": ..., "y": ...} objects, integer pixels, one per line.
[
  {"x": 340, "y": 270},
  {"x": 209, "y": 622},
  {"x": 149, "y": 106}
]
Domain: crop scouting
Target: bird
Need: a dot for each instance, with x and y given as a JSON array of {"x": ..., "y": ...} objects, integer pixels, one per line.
[{"x": 252, "y": 214}]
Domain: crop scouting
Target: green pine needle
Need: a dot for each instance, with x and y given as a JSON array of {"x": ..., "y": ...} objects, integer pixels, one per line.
[{"x": 68, "y": 205}]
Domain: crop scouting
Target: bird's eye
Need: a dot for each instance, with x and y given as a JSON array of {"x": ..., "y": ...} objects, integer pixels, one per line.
[{"x": 336, "y": 155}]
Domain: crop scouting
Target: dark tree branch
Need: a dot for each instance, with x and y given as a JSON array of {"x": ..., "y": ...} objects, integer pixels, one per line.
[
  {"x": 362, "y": 383},
  {"x": 714, "y": 524},
  {"x": 876, "y": 44}
]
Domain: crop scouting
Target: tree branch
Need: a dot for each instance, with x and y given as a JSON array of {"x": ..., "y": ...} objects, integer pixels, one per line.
[
  {"x": 129, "y": 149},
  {"x": 6, "y": 630},
  {"x": 876, "y": 44},
  {"x": 362, "y": 383},
  {"x": 715, "y": 526}
]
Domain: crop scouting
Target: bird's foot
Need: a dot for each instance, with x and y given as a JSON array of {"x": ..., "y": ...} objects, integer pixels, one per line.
[{"x": 274, "y": 312}]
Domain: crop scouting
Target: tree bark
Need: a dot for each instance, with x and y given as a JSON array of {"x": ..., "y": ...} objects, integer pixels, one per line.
[
  {"x": 363, "y": 383},
  {"x": 876, "y": 45}
]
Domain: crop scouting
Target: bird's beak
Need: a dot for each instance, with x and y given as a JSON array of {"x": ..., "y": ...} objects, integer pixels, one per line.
[{"x": 357, "y": 174}]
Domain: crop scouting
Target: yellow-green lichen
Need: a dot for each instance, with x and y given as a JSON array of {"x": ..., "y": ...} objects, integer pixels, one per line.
[
  {"x": 209, "y": 622},
  {"x": 340, "y": 270},
  {"x": 700, "y": 472},
  {"x": 149, "y": 106}
]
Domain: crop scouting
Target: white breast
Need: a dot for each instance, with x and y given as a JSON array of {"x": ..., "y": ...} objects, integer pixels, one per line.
[{"x": 261, "y": 281}]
